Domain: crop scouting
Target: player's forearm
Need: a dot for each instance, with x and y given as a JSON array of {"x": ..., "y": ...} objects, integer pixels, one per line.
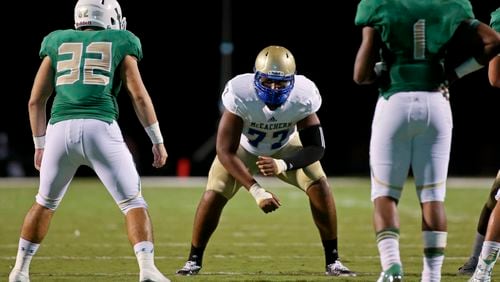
[
  {"x": 237, "y": 169},
  {"x": 304, "y": 157},
  {"x": 38, "y": 119},
  {"x": 144, "y": 110},
  {"x": 491, "y": 41},
  {"x": 40, "y": 92},
  {"x": 314, "y": 148},
  {"x": 366, "y": 58},
  {"x": 494, "y": 72}
]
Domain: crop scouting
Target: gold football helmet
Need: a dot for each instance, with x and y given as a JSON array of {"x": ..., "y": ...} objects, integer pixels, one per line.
[{"x": 274, "y": 75}]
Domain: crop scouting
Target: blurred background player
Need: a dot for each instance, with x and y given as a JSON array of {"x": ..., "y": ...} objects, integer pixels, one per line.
[
  {"x": 86, "y": 68},
  {"x": 270, "y": 126},
  {"x": 412, "y": 124},
  {"x": 491, "y": 245}
]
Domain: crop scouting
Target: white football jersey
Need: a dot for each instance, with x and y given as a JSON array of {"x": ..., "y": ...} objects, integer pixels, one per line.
[{"x": 266, "y": 131}]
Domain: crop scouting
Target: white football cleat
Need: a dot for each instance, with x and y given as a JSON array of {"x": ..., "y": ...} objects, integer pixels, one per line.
[
  {"x": 17, "y": 276},
  {"x": 152, "y": 275},
  {"x": 190, "y": 268},
  {"x": 338, "y": 269}
]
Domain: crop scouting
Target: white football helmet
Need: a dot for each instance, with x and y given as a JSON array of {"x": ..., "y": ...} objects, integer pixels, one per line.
[{"x": 99, "y": 13}]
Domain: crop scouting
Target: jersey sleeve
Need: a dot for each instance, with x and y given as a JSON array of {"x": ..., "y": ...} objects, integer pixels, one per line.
[
  {"x": 132, "y": 45},
  {"x": 231, "y": 102},
  {"x": 315, "y": 100},
  {"x": 495, "y": 20},
  {"x": 47, "y": 47},
  {"x": 366, "y": 12},
  {"x": 467, "y": 9}
]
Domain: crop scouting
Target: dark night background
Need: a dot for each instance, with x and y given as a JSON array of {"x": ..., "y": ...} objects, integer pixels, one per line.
[{"x": 182, "y": 71}]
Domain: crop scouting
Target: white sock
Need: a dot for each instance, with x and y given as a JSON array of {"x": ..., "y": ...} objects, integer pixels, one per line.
[
  {"x": 144, "y": 251},
  {"x": 489, "y": 255},
  {"x": 25, "y": 253},
  {"x": 432, "y": 269},
  {"x": 478, "y": 245},
  {"x": 389, "y": 252},
  {"x": 434, "y": 245}
]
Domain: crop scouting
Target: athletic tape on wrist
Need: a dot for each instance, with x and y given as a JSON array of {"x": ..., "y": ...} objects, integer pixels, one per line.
[
  {"x": 470, "y": 65},
  {"x": 281, "y": 164},
  {"x": 39, "y": 142},
  {"x": 154, "y": 133},
  {"x": 259, "y": 193}
]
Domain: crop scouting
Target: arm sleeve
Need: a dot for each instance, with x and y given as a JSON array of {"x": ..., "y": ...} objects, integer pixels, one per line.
[{"x": 313, "y": 143}]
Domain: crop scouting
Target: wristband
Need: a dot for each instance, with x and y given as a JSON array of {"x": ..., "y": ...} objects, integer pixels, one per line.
[
  {"x": 379, "y": 68},
  {"x": 39, "y": 142},
  {"x": 470, "y": 65},
  {"x": 281, "y": 164},
  {"x": 154, "y": 133},
  {"x": 259, "y": 193}
]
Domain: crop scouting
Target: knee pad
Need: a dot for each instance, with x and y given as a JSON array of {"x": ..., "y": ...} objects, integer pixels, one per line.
[
  {"x": 137, "y": 202},
  {"x": 51, "y": 204}
]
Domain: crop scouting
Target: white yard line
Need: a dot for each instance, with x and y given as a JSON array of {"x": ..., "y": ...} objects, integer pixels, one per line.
[{"x": 199, "y": 182}]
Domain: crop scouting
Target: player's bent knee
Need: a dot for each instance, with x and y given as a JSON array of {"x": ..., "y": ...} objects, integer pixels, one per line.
[
  {"x": 51, "y": 204},
  {"x": 133, "y": 203}
]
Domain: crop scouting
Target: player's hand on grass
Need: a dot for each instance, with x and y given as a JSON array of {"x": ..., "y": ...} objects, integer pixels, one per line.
[
  {"x": 270, "y": 205},
  {"x": 267, "y": 201}
]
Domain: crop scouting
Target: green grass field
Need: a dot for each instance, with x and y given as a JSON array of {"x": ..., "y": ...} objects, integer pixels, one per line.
[{"x": 87, "y": 240}]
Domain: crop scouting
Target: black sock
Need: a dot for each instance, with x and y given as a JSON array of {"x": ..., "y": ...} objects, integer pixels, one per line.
[
  {"x": 196, "y": 254},
  {"x": 330, "y": 248}
]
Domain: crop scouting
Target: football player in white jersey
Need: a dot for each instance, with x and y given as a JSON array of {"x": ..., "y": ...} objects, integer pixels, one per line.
[{"x": 269, "y": 126}]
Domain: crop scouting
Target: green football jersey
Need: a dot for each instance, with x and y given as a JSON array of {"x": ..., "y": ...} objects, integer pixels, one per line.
[
  {"x": 495, "y": 20},
  {"x": 414, "y": 35},
  {"x": 87, "y": 79}
]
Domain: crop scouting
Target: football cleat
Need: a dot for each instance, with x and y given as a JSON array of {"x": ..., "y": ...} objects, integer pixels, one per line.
[
  {"x": 152, "y": 275},
  {"x": 338, "y": 269},
  {"x": 190, "y": 268},
  {"x": 482, "y": 274},
  {"x": 468, "y": 267},
  {"x": 17, "y": 276},
  {"x": 392, "y": 274}
]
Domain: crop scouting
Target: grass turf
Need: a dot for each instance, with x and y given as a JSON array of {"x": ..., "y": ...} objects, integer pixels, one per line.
[{"x": 87, "y": 240}]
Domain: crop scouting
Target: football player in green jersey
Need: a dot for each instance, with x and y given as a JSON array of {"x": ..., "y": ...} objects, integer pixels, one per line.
[
  {"x": 487, "y": 240},
  {"x": 494, "y": 66},
  {"x": 86, "y": 68},
  {"x": 412, "y": 124}
]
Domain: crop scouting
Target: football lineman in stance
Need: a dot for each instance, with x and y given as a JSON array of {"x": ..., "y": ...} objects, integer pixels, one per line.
[{"x": 270, "y": 126}]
